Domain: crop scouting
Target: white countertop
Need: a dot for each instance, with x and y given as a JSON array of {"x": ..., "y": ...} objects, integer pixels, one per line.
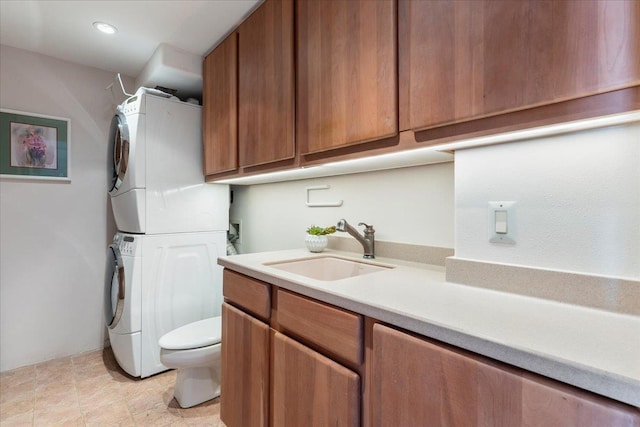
[{"x": 592, "y": 349}]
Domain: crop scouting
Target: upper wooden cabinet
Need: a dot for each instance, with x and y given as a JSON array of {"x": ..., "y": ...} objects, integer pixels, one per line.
[
  {"x": 346, "y": 73},
  {"x": 266, "y": 84},
  {"x": 355, "y": 73},
  {"x": 470, "y": 59},
  {"x": 219, "y": 108}
]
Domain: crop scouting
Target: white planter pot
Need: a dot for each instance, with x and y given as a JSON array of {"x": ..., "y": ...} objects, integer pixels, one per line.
[{"x": 316, "y": 243}]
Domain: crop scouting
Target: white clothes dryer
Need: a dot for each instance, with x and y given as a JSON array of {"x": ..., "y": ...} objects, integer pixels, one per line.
[
  {"x": 155, "y": 284},
  {"x": 156, "y": 182}
]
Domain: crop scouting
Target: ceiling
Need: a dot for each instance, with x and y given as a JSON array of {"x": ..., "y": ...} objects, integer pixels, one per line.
[{"x": 63, "y": 29}]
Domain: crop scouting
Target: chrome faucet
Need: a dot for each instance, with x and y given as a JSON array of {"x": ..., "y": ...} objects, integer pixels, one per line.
[{"x": 367, "y": 242}]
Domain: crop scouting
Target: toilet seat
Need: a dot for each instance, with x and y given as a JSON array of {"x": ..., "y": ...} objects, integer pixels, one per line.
[
  {"x": 190, "y": 358},
  {"x": 194, "y": 335}
]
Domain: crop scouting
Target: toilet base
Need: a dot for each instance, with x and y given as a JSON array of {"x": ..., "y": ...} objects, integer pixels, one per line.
[{"x": 196, "y": 385}]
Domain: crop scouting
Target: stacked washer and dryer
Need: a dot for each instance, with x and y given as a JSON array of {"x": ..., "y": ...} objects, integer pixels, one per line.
[{"x": 162, "y": 270}]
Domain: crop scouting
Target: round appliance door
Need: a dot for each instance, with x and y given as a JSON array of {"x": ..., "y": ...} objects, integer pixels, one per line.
[
  {"x": 119, "y": 149},
  {"x": 115, "y": 286}
]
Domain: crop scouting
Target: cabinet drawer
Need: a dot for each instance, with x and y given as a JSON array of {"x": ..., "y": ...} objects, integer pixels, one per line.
[
  {"x": 252, "y": 295},
  {"x": 330, "y": 328}
]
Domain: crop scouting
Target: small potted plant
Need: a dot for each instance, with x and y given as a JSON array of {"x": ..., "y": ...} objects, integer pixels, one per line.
[{"x": 316, "y": 239}]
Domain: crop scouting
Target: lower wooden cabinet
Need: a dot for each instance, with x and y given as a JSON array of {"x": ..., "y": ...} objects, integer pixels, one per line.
[
  {"x": 416, "y": 382},
  {"x": 244, "y": 395},
  {"x": 310, "y": 389},
  {"x": 317, "y": 365}
]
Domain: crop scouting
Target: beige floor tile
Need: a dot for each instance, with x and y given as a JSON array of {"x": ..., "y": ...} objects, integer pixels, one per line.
[
  {"x": 62, "y": 399},
  {"x": 11, "y": 409},
  {"x": 89, "y": 358},
  {"x": 67, "y": 423},
  {"x": 99, "y": 396},
  {"x": 91, "y": 390},
  {"x": 168, "y": 397},
  {"x": 58, "y": 415},
  {"x": 18, "y": 392},
  {"x": 21, "y": 420},
  {"x": 53, "y": 388},
  {"x": 132, "y": 388},
  {"x": 63, "y": 362},
  {"x": 213, "y": 421},
  {"x": 61, "y": 376},
  {"x": 109, "y": 359},
  {"x": 89, "y": 372},
  {"x": 144, "y": 401},
  {"x": 205, "y": 414},
  {"x": 113, "y": 413},
  {"x": 22, "y": 372},
  {"x": 120, "y": 376},
  {"x": 167, "y": 378},
  {"x": 159, "y": 415},
  {"x": 18, "y": 381},
  {"x": 88, "y": 384}
]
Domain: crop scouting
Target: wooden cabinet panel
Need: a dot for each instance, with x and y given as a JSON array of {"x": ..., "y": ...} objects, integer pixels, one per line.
[
  {"x": 220, "y": 108},
  {"x": 333, "y": 329},
  {"x": 418, "y": 382},
  {"x": 470, "y": 59},
  {"x": 556, "y": 404},
  {"x": 310, "y": 389},
  {"x": 266, "y": 84},
  {"x": 346, "y": 73},
  {"x": 252, "y": 295},
  {"x": 245, "y": 370}
]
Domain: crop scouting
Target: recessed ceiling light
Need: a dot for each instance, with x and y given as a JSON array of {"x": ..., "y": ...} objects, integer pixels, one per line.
[{"x": 105, "y": 28}]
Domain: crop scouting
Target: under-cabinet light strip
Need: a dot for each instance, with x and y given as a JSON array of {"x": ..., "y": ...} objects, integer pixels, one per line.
[{"x": 432, "y": 154}]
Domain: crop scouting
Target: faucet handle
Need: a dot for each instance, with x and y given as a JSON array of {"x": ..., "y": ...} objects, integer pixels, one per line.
[{"x": 368, "y": 228}]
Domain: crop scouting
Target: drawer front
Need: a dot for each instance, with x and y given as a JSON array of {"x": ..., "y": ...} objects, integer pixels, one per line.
[
  {"x": 252, "y": 295},
  {"x": 330, "y": 328}
]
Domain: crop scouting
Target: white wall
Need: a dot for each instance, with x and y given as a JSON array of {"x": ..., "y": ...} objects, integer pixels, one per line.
[
  {"x": 53, "y": 235},
  {"x": 578, "y": 201},
  {"x": 412, "y": 205}
]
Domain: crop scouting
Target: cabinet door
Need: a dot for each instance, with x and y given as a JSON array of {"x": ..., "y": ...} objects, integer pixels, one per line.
[
  {"x": 310, "y": 389},
  {"x": 220, "y": 109},
  {"x": 419, "y": 383},
  {"x": 266, "y": 86},
  {"x": 469, "y": 59},
  {"x": 346, "y": 73},
  {"x": 244, "y": 395}
]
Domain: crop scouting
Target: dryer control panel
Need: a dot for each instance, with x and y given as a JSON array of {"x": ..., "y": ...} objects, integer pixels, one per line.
[
  {"x": 131, "y": 105},
  {"x": 127, "y": 244}
]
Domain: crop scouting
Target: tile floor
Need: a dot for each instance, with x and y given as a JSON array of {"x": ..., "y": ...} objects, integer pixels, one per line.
[{"x": 91, "y": 390}]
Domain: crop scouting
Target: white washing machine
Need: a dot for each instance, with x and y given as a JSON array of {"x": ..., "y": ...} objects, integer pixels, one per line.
[
  {"x": 156, "y": 182},
  {"x": 155, "y": 284}
]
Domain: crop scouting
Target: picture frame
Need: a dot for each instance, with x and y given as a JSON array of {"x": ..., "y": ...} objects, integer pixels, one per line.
[{"x": 34, "y": 146}]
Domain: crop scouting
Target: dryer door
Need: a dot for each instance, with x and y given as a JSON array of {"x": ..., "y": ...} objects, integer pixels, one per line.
[
  {"x": 119, "y": 150},
  {"x": 115, "y": 286}
]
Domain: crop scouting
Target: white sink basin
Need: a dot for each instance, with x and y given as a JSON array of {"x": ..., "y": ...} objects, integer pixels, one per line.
[{"x": 328, "y": 267}]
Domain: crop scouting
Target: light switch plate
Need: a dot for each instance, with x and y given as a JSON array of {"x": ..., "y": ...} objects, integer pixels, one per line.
[{"x": 508, "y": 237}]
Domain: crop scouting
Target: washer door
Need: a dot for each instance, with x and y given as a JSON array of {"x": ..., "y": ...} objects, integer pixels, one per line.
[
  {"x": 119, "y": 147},
  {"x": 115, "y": 286}
]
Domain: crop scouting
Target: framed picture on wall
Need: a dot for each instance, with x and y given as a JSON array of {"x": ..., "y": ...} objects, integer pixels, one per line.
[{"x": 34, "y": 146}]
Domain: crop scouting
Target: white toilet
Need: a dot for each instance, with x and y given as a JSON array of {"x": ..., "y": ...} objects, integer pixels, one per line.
[{"x": 194, "y": 350}]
